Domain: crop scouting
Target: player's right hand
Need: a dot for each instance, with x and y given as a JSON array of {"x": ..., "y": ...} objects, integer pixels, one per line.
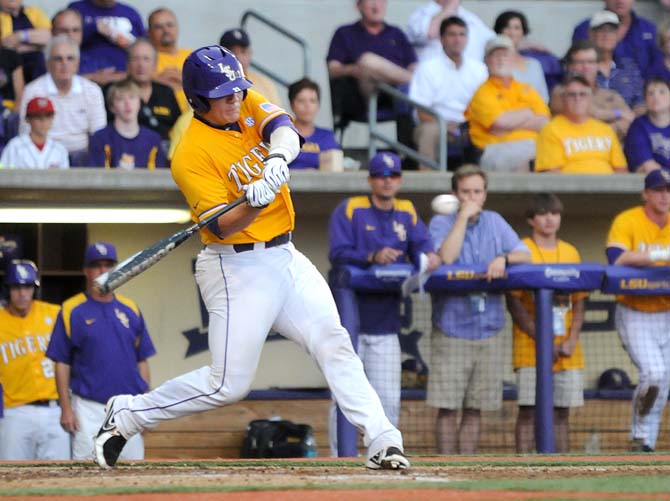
[
  {"x": 276, "y": 172},
  {"x": 259, "y": 193}
]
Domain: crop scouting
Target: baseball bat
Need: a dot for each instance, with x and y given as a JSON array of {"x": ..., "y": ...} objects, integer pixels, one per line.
[{"x": 144, "y": 259}]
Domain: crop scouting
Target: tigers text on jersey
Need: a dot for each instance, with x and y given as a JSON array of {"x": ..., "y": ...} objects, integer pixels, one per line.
[
  {"x": 25, "y": 373},
  {"x": 211, "y": 164}
]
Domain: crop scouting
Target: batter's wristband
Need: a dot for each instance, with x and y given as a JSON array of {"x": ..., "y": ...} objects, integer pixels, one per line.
[
  {"x": 275, "y": 155},
  {"x": 24, "y": 36}
]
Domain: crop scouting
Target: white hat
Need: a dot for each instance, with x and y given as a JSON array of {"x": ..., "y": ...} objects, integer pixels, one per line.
[
  {"x": 602, "y": 18},
  {"x": 498, "y": 42}
]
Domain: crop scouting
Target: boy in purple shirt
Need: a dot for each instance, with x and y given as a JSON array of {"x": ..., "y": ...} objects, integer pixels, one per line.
[
  {"x": 466, "y": 351},
  {"x": 100, "y": 345},
  {"x": 110, "y": 27},
  {"x": 124, "y": 143},
  {"x": 379, "y": 229}
]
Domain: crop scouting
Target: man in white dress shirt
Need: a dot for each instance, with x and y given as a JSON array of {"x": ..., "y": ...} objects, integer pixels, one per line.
[
  {"x": 78, "y": 103},
  {"x": 423, "y": 29},
  {"x": 446, "y": 83},
  {"x": 35, "y": 150}
]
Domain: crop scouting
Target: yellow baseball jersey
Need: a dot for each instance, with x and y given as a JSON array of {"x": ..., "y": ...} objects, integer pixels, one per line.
[
  {"x": 591, "y": 147},
  {"x": 210, "y": 166},
  {"x": 523, "y": 344},
  {"x": 491, "y": 100},
  {"x": 633, "y": 230},
  {"x": 164, "y": 61},
  {"x": 25, "y": 372}
]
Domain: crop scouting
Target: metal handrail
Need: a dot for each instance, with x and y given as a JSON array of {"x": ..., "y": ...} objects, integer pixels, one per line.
[
  {"x": 299, "y": 40},
  {"x": 375, "y": 134}
]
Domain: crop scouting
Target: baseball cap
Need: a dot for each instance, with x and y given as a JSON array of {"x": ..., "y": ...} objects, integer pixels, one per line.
[
  {"x": 614, "y": 379},
  {"x": 39, "y": 106},
  {"x": 498, "y": 42},
  {"x": 99, "y": 251},
  {"x": 385, "y": 164},
  {"x": 232, "y": 38},
  {"x": 602, "y": 18},
  {"x": 658, "y": 178}
]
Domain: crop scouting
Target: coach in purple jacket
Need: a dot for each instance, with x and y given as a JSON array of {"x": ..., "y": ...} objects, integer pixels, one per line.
[{"x": 380, "y": 229}]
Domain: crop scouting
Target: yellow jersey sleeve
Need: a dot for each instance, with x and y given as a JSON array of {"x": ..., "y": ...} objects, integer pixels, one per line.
[
  {"x": 618, "y": 158},
  {"x": 550, "y": 151},
  {"x": 622, "y": 230},
  {"x": 485, "y": 107}
]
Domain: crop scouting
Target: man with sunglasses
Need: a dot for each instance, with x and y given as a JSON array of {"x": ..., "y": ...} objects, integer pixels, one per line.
[
  {"x": 379, "y": 229},
  {"x": 575, "y": 143},
  {"x": 640, "y": 236},
  {"x": 78, "y": 103}
]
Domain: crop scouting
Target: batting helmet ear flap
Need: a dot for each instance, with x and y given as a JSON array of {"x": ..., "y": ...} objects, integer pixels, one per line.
[{"x": 200, "y": 104}]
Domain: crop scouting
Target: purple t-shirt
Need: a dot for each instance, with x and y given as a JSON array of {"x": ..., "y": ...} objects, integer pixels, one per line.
[
  {"x": 122, "y": 19},
  {"x": 352, "y": 40},
  {"x": 320, "y": 140},
  {"x": 459, "y": 315},
  {"x": 107, "y": 148},
  {"x": 102, "y": 344},
  {"x": 358, "y": 228},
  {"x": 645, "y": 141},
  {"x": 639, "y": 44}
]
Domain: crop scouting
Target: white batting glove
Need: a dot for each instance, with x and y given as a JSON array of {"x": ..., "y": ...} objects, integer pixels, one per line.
[
  {"x": 259, "y": 193},
  {"x": 276, "y": 172},
  {"x": 660, "y": 253}
]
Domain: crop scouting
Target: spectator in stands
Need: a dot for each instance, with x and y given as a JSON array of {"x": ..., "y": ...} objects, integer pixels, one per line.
[
  {"x": 25, "y": 29},
  {"x": 34, "y": 150},
  {"x": 79, "y": 104},
  {"x": 110, "y": 27},
  {"x": 124, "y": 143},
  {"x": 379, "y": 229},
  {"x": 428, "y": 88},
  {"x": 622, "y": 75},
  {"x": 305, "y": 96},
  {"x": 466, "y": 350},
  {"x": 636, "y": 35},
  {"x": 575, "y": 143},
  {"x": 100, "y": 344},
  {"x": 606, "y": 105},
  {"x": 68, "y": 22},
  {"x": 647, "y": 145},
  {"x": 661, "y": 64},
  {"x": 423, "y": 29},
  {"x": 11, "y": 77},
  {"x": 544, "y": 217},
  {"x": 505, "y": 115},
  {"x": 163, "y": 32},
  {"x": 640, "y": 237},
  {"x": 237, "y": 41},
  {"x": 525, "y": 69},
  {"x": 159, "y": 110}
]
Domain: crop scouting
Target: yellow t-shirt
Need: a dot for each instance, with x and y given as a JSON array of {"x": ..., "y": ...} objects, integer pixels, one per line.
[
  {"x": 633, "y": 230},
  {"x": 591, "y": 147},
  {"x": 524, "y": 345},
  {"x": 26, "y": 374},
  {"x": 174, "y": 61},
  {"x": 35, "y": 15},
  {"x": 491, "y": 100},
  {"x": 211, "y": 165}
]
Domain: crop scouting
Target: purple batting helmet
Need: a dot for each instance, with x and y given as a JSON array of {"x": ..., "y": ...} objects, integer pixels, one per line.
[
  {"x": 22, "y": 272},
  {"x": 209, "y": 73}
]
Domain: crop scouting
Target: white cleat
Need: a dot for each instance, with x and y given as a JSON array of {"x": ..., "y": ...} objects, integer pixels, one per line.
[{"x": 389, "y": 458}]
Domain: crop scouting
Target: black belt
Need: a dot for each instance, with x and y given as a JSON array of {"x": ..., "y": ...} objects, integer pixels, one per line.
[
  {"x": 41, "y": 403},
  {"x": 282, "y": 239}
]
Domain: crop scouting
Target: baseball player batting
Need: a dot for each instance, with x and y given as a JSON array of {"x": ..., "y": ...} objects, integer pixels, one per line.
[{"x": 251, "y": 277}]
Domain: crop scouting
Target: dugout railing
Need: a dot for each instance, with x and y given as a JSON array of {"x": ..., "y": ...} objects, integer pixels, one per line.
[{"x": 543, "y": 279}]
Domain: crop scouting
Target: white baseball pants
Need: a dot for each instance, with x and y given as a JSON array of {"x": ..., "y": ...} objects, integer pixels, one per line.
[
  {"x": 646, "y": 338},
  {"x": 33, "y": 432},
  {"x": 247, "y": 294}
]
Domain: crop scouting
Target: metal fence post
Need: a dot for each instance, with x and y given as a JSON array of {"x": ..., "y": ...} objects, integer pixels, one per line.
[{"x": 544, "y": 389}]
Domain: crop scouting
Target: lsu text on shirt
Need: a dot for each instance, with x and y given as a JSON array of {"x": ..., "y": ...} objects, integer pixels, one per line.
[
  {"x": 210, "y": 166},
  {"x": 26, "y": 374},
  {"x": 633, "y": 230},
  {"x": 102, "y": 342},
  {"x": 492, "y": 99},
  {"x": 524, "y": 345},
  {"x": 591, "y": 147}
]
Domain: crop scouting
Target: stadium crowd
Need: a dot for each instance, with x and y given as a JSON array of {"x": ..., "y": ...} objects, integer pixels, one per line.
[{"x": 95, "y": 87}]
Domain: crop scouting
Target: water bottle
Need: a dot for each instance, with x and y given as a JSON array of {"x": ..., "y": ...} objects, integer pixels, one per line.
[
  {"x": 592, "y": 444},
  {"x": 310, "y": 446}
]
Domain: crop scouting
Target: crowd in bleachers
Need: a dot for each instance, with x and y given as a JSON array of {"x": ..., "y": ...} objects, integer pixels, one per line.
[{"x": 500, "y": 92}]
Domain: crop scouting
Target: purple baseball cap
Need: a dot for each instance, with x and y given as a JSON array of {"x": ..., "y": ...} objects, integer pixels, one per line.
[
  {"x": 100, "y": 251},
  {"x": 385, "y": 164},
  {"x": 658, "y": 178}
]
